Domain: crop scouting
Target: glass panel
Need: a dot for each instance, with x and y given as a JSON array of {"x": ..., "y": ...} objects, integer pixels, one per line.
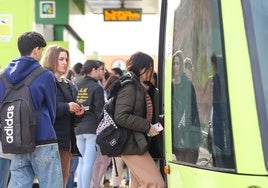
[
  {"x": 201, "y": 130},
  {"x": 256, "y": 16}
]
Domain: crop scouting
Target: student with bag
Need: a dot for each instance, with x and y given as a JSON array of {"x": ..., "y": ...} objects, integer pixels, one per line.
[
  {"x": 133, "y": 110},
  {"x": 44, "y": 161}
]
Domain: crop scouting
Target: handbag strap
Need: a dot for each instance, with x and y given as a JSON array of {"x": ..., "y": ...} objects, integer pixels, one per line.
[{"x": 115, "y": 167}]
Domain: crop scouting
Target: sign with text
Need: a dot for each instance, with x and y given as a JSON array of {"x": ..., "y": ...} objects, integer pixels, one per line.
[{"x": 122, "y": 14}]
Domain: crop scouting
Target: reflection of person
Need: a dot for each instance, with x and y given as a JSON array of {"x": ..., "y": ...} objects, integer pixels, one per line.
[
  {"x": 44, "y": 162},
  {"x": 91, "y": 96},
  {"x": 188, "y": 68},
  {"x": 186, "y": 126},
  {"x": 133, "y": 110},
  {"x": 57, "y": 60},
  {"x": 216, "y": 128}
]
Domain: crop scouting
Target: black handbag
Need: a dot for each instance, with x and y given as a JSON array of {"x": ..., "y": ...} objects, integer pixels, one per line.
[{"x": 111, "y": 138}]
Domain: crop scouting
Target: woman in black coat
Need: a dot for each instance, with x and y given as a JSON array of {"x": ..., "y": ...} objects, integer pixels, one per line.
[{"x": 57, "y": 60}]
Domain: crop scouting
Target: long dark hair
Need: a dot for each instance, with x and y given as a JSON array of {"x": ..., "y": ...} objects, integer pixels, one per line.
[
  {"x": 88, "y": 66},
  {"x": 139, "y": 61}
]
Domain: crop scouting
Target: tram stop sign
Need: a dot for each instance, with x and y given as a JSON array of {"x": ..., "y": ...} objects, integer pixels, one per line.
[{"x": 122, "y": 14}]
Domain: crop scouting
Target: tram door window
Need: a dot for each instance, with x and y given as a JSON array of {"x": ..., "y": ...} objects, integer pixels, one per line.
[
  {"x": 201, "y": 126},
  {"x": 256, "y": 13}
]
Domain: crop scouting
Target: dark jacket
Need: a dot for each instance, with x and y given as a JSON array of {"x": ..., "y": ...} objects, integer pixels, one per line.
[
  {"x": 156, "y": 145},
  {"x": 130, "y": 112},
  {"x": 90, "y": 94},
  {"x": 43, "y": 91},
  {"x": 65, "y": 120}
]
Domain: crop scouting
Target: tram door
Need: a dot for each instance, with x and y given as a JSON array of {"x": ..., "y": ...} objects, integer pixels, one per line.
[
  {"x": 200, "y": 120},
  {"x": 208, "y": 127}
]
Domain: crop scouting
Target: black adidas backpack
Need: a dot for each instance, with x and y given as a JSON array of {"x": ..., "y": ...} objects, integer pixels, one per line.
[{"x": 17, "y": 116}]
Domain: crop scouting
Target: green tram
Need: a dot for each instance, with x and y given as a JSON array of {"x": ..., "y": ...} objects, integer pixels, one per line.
[{"x": 213, "y": 77}]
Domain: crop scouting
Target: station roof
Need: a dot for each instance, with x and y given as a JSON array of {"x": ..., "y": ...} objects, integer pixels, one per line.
[{"x": 147, "y": 6}]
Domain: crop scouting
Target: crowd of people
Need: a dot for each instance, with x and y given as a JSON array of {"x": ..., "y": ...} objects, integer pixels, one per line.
[{"x": 71, "y": 100}]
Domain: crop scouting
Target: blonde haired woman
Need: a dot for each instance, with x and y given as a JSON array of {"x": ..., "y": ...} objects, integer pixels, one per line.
[{"x": 57, "y": 60}]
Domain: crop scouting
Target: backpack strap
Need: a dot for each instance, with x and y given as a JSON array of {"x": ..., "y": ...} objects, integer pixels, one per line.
[
  {"x": 115, "y": 167},
  {"x": 27, "y": 81},
  {"x": 34, "y": 74},
  {"x": 4, "y": 79}
]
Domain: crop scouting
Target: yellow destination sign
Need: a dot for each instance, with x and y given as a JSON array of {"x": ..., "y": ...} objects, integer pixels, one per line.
[{"x": 122, "y": 14}]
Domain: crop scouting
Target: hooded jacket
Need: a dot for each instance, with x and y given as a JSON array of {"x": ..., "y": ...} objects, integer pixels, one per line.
[{"x": 43, "y": 92}]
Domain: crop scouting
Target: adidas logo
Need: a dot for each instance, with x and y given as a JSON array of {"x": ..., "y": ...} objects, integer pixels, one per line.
[{"x": 8, "y": 128}]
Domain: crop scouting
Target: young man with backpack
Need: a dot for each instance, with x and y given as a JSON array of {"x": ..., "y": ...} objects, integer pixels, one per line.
[{"x": 44, "y": 161}]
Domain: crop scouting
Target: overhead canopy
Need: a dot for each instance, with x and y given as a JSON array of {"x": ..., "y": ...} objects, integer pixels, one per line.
[{"x": 147, "y": 6}]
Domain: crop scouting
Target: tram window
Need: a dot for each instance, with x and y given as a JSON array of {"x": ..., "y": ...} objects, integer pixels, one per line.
[
  {"x": 256, "y": 13},
  {"x": 201, "y": 129}
]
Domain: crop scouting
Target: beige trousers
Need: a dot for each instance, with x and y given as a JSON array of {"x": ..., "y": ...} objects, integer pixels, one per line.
[{"x": 143, "y": 171}]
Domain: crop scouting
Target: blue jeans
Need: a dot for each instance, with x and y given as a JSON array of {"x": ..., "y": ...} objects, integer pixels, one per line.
[
  {"x": 74, "y": 163},
  {"x": 87, "y": 146},
  {"x": 127, "y": 174},
  {"x": 4, "y": 172},
  {"x": 43, "y": 163}
]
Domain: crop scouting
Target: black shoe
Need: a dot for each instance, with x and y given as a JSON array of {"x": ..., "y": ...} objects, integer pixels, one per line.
[
  {"x": 106, "y": 181},
  {"x": 35, "y": 185},
  {"x": 127, "y": 182}
]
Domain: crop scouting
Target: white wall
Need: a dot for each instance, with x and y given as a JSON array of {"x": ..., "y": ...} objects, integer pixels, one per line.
[{"x": 117, "y": 38}]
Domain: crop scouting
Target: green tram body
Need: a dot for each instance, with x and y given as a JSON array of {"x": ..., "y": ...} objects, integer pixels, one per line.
[{"x": 236, "y": 33}]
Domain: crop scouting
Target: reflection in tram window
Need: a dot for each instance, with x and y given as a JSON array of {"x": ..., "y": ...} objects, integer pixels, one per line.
[
  {"x": 256, "y": 13},
  {"x": 201, "y": 126},
  {"x": 188, "y": 68},
  {"x": 186, "y": 124},
  {"x": 218, "y": 135}
]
